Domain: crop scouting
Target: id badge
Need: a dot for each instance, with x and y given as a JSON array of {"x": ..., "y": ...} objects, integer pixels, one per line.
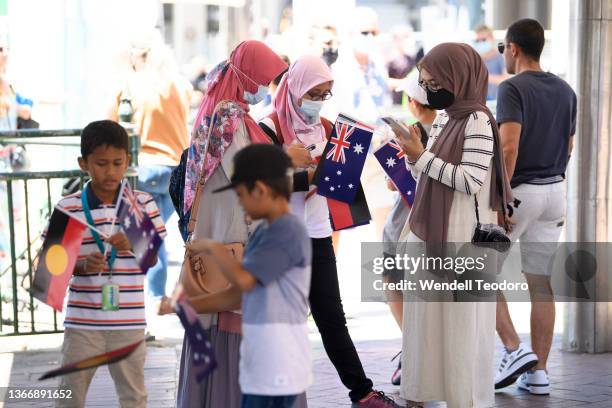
[{"x": 110, "y": 297}]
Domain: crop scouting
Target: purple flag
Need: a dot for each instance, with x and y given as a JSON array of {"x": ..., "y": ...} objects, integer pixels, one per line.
[
  {"x": 204, "y": 361},
  {"x": 393, "y": 161},
  {"x": 343, "y": 160},
  {"x": 138, "y": 228}
]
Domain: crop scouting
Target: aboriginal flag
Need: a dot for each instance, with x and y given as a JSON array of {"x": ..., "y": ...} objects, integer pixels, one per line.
[
  {"x": 57, "y": 259},
  {"x": 344, "y": 215},
  {"x": 91, "y": 362}
]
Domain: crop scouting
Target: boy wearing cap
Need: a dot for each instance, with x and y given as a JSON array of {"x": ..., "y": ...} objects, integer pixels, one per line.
[{"x": 271, "y": 285}]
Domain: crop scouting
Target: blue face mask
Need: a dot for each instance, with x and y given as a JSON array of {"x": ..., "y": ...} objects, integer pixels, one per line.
[
  {"x": 254, "y": 99},
  {"x": 311, "y": 110},
  {"x": 482, "y": 47}
]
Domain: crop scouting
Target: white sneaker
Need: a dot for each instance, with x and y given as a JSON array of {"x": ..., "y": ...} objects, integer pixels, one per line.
[
  {"x": 514, "y": 364},
  {"x": 536, "y": 382}
]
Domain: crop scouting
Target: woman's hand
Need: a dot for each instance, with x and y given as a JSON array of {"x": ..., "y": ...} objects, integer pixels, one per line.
[
  {"x": 300, "y": 157},
  {"x": 410, "y": 141}
]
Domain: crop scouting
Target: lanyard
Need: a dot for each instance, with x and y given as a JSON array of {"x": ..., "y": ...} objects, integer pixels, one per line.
[{"x": 95, "y": 234}]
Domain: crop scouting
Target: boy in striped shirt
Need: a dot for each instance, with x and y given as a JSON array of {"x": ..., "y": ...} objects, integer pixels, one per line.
[{"x": 91, "y": 330}]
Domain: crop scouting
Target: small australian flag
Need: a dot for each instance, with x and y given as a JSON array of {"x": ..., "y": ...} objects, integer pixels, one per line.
[
  {"x": 203, "y": 356},
  {"x": 343, "y": 160},
  {"x": 393, "y": 161},
  {"x": 138, "y": 228}
]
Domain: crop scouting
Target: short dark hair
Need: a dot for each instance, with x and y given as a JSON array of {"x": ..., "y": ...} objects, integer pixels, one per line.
[
  {"x": 103, "y": 133},
  {"x": 281, "y": 187},
  {"x": 528, "y": 34}
]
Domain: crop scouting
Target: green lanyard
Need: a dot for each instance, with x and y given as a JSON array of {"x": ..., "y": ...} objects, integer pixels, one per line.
[{"x": 95, "y": 234}]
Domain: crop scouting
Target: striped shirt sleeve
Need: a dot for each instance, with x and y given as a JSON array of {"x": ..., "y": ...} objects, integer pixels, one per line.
[
  {"x": 469, "y": 175},
  {"x": 436, "y": 128},
  {"x": 153, "y": 212}
]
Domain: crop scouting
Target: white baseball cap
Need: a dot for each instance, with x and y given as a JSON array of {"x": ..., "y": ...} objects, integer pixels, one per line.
[{"x": 411, "y": 86}]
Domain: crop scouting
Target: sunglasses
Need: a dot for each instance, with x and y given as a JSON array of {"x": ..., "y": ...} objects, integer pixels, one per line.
[
  {"x": 501, "y": 47},
  {"x": 370, "y": 32}
]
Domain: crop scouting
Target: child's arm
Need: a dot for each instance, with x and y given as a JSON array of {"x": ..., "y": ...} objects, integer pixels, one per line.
[
  {"x": 228, "y": 299},
  {"x": 233, "y": 271}
]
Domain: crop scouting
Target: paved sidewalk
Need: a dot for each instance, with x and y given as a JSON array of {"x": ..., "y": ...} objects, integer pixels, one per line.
[{"x": 578, "y": 380}]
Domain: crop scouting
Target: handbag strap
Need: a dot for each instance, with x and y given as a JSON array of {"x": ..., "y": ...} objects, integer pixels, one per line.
[
  {"x": 476, "y": 209},
  {"x": 193, "y": 216},
  {"x": 498, "y": 184}
]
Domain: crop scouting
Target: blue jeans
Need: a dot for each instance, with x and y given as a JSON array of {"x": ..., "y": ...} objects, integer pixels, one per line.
[
  {"x": 155, "y": 179},
  {"x": 265, "y": 401}
]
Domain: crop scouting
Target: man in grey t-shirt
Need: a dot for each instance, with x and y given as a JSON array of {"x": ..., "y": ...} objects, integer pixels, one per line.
[{"x": 536, "y": 112}]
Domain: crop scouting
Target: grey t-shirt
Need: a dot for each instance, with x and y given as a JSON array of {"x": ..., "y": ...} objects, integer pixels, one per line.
[
  {"x": 275, "y": 350},
  {"x": 545, "y": 106}
]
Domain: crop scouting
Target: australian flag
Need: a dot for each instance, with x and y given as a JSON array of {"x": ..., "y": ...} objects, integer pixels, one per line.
[
  {"x": 393, "y": 160},
  {"x": 343, "y": 160},
  {"x": 138, "y": 228},
  {"x": 203, "y": 356}
]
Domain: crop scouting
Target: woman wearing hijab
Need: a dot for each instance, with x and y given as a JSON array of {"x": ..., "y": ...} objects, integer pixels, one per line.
[
  {"x": 449, "y": 346},
  {"x": 233, "y": 86},
  {"x": 295, "y": 123}
]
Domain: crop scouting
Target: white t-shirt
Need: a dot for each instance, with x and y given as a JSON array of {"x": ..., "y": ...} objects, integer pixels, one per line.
[{"x": 308, "y": 206}]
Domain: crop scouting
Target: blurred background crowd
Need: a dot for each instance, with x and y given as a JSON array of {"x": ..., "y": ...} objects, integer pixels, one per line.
[{"x": 64, "y": 63}]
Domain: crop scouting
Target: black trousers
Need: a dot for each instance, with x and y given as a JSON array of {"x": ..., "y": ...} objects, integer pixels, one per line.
[{"x": 328, "y": 314}]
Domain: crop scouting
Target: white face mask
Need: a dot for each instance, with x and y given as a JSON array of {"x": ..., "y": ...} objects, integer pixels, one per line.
[
  {"x": 482, "y": 47},
  {"x": 311, "y": 110},
  {"x": 254, "y": 99}
]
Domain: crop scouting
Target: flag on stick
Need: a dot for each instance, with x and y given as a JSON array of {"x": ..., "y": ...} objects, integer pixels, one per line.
[
  {"x": 138, "y": 228},
  {"x": 57, "y": 259},
  {"x": 96, "y": 361},
  {"x": 204, "y": 361},
  {"x": 393, "y": 161}
]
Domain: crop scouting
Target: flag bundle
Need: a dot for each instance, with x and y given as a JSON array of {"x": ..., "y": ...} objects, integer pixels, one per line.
[{"x": 338, "y": 173}]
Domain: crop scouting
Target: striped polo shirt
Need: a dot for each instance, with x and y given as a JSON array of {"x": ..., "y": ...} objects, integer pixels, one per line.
[{"x": 85, "y": 292}]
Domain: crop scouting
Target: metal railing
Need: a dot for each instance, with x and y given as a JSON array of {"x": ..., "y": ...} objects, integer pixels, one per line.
[{"x": 33, "y": 193}]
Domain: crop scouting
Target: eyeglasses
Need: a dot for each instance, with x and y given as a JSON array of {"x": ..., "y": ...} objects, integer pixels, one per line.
[
  {"x": 369, "y": 32},
  {"x": 429, "y": 87},
  {"x": 501, "y": 47},
  {"x": 320, "y": 97}
]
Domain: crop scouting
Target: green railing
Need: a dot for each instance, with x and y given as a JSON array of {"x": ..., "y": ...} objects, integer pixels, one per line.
[{"x": 34, "y": 194}]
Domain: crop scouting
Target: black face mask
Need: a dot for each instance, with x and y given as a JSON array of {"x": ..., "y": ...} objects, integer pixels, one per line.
[
  {"x": 330, "y": 55},
  {"x": 440, "y": 99}
]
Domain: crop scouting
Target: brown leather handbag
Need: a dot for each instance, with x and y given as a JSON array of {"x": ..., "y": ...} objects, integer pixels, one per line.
[{"x": 200, "y": 275}]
